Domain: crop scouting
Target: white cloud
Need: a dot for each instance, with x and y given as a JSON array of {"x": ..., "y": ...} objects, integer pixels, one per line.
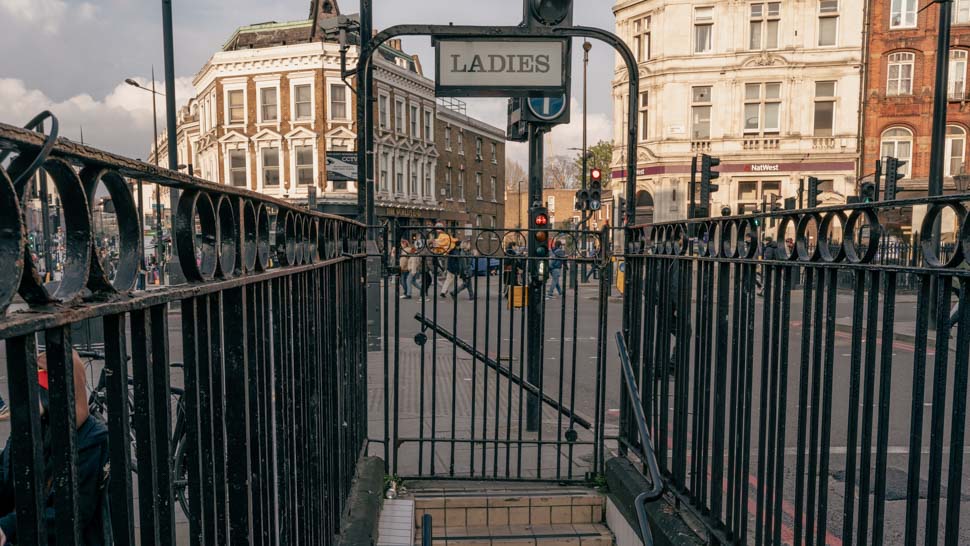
[
  {"x": 121, "y": 122},
  {"x": 49, "y": 14}
]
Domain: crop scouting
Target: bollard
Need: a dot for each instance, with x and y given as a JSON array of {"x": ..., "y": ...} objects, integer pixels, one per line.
[{"x": 426, "y": 530}]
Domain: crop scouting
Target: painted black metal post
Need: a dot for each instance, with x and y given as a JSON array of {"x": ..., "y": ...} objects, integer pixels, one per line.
[
  {"x": 365, "y": 201},
  {"x": 938, "y": 135},
  {"x": 173, "y": 153},
  {"x": 533, "y": 416}
]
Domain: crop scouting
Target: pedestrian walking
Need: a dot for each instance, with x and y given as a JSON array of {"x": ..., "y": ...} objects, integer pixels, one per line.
[
  {"x": 452, "y": 271},
  {"x": 417, "y": 273},
  {"x": 466, "y": 270},
  {"x": 403, "y": 264},
  {"x": 556, "y": 266},
  {"x": 509, "y": 268},
  {"x": 769, "y": 251}
]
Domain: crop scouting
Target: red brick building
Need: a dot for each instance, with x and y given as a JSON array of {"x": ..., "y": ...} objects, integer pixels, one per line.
[{"x": 898, "y": 104}]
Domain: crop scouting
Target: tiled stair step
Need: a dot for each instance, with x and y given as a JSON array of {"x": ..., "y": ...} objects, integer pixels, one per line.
[
  {"x": 523, "y": 535},
  {"x": 514, "y": 507}
]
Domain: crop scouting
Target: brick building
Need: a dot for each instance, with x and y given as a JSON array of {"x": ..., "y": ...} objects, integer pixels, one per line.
[
  {"x": 471, "y": 168},
  {"x": 900, "y": 72},
  {"x": 561, "y": 204}
]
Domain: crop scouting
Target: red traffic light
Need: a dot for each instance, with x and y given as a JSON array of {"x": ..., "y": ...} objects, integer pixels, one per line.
[
  {"x": 596, "y": 174},
  {"x": 541, "y": 220}
]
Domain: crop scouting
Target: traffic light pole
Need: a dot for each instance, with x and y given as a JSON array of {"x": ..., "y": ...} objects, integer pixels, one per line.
[{"x": 534, "y": 307}]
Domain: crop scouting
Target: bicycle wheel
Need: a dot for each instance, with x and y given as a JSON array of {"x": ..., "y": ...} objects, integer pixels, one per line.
[{"x": 181, "y": 472}]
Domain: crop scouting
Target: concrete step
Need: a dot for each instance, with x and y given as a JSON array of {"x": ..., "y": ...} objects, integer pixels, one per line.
[
  {"x": 487, "y": 507},
  {"x": 523, "y": 535}
]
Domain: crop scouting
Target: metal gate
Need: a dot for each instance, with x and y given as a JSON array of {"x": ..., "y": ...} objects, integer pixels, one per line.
[{"x": 466, "y": 395}]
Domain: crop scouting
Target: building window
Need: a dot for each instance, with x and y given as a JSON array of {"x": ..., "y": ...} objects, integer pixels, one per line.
[
  {"x": 641, "y": 39},
  {"x": 268, "y": 105},
  {"x": 478, "y": 149},
  {"x": 448, "y": 138},
  {"x": 956, "y": 145},
  {"x": 957, "y": 86},
  {"x": 701, "y": 113},
  {"x": 644, "y": 115},
  {"x": 414, "y": 178},
  {"x": 961, "y": 12},
  {"x": 762, "y": 107},
  {"x": 237, "y": 168},
  {"x": 493, "y": 184},
  {"x": 765, "y": 19},
  {"x": 898, "y": 142},
  {"x": 427, "y": 181},
  {"x": 461, "y": 141},
  {"x": 271, "y": 166},
  {"x": 461, "y": 185},
  {"x": 448, "y": 190},
  {"x": 428, "y": 130},
  {"x": 478, "y": 186},
  {"x": 399, "y": 116},
  {"x": 551, "y": 203},
  {"x": 703, "y": 29},
  {"x": 495, "y": 153},
  {"x": 303, "y": 101},
  {"x": 902, "y": 14},
  {"x": 751, "y": 193},
  {"x": 828, "y": 22},
  {"x": 900, "y": 80},
  {"x": 824, "y": 109},
  {"x": 399, "y": 175},
  {"x": 304, "y": 165},
  {"x": 237, "y": 107},
  {"x": 414, "y": 122},
  {"x": 338, "y": 101},
  {"x": 382, "y": 111},
  {"x": 384, "y": 173}
]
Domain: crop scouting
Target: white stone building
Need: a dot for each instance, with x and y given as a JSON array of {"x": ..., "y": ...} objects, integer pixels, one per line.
[{"x": 771, "y": 88}]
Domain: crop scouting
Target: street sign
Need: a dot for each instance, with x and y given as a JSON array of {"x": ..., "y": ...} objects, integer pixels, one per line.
[
  {"x": 509, "y": 67},
  {"x": 547, "y": 108},
  {"x": 342, "y": 166}
]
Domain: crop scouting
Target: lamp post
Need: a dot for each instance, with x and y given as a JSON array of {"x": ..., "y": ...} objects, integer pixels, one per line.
[{"x": 158, "y": 192}]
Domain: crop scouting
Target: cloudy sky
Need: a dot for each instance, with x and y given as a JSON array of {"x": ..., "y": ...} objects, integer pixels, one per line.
[{"x": 72, "y": 57}]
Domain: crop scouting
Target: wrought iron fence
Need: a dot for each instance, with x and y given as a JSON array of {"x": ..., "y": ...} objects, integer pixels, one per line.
[
  {"x": 803, "y": 415},
  {"x": 272, "y": 339}
]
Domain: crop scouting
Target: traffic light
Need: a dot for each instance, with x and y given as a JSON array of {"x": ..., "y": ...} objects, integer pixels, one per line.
[
  {"x": 707, "y": 174},
  {"x": 595, "y": 189},
  {"x": 813, "y": 192},
  {"x": 893, "y": 176},
  {"x": 539, "y": 223},
  {"x": 548, "y": 13},
  {"x": 867, "y": 193}
]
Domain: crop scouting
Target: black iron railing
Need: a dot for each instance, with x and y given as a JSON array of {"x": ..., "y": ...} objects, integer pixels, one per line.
[
  {"x": 272, "y": 339},
  {"x": 798, "y": 413}
]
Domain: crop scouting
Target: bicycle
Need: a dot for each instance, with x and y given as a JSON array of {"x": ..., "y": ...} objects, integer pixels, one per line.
[{"x": 97, "y": 403}]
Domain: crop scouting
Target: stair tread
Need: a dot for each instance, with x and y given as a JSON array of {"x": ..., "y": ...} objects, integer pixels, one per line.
[{"x": 522, "y": 531}]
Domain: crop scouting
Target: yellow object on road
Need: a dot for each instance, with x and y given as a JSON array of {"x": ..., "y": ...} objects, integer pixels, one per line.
[{"x": 518, "y": 297}]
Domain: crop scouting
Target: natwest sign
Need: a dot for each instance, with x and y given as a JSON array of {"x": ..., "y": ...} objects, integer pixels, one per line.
[
  {"x": 763, "y": 168},
  {"x": 501, "y": 67}
]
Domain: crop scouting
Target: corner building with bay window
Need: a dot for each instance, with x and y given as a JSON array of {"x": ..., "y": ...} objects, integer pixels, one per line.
[{"x": 771, "y": 88}]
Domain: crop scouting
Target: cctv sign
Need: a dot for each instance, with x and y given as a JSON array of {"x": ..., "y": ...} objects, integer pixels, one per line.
[{"x": 509, "y": 67}]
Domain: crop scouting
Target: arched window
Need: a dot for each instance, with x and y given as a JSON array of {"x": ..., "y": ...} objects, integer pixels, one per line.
[
  {"x": 900, "y": 81},
  {"x": 898, "y": 142},
  {"x": 956, "y": 147},
  {"x": 957, "y": 86}
]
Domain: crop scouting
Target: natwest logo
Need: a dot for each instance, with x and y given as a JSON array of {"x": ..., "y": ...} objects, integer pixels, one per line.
[{"x": 763, "y": 167}]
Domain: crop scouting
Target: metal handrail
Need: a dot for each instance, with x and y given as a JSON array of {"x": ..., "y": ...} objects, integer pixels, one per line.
[{"x": 656, "y": 480}]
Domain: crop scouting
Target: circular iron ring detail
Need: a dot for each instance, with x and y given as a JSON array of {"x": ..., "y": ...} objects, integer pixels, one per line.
[
  {"x": 801, "y": 243},
  {"x": 822, "y": 246},
  {"x": 129, "y": 231},
  {"x": 786, "y": 220},
  {"x": 285, "y": 238},
  {"x": 848, "y": 238},
  {"x": 196, "y": 268},
  {"x": 747, "y": 239},
  {"x": 930, "y": 253},
  {"x": 228, "y": 237},
  {"x": 13, "y": 239},
  {"x": 249, "y": 237}
]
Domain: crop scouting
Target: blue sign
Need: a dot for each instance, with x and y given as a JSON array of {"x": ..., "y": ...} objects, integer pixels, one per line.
[{"x": 547, "y": 108}]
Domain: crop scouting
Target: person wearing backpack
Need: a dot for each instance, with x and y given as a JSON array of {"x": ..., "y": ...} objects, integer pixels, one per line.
[
  {"x": 92, "y": 457},
  {"x": 556, "y": 266}
]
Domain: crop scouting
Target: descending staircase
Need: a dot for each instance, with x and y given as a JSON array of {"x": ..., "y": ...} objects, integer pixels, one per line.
[{"x": 485, "y": 514}]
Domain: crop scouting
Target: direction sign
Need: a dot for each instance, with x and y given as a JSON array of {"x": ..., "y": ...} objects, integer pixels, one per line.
[
  {"x": 547, "y": 108},
  {"x": 509, "y": 67}
]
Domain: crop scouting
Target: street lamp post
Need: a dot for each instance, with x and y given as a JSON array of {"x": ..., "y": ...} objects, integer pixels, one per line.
[{"x": 158, "y": 191}]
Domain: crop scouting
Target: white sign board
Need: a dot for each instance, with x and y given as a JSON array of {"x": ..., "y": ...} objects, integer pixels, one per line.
[{"x": 491, "y": 68}]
